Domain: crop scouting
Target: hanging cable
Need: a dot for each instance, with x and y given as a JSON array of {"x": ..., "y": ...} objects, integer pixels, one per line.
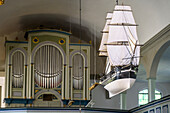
[
  {"x": 80, "y": 51},
  {"x": 117, "y": 2},
  {"x": 70, "y": 30}
]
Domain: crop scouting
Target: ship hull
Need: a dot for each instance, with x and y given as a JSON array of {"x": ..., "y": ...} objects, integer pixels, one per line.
[
  {"x": 119, "y": 82},
  {"x": 118, "y": 86}
]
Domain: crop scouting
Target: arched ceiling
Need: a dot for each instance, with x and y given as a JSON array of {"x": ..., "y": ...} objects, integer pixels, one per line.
[{"x": 17, "y": 16}]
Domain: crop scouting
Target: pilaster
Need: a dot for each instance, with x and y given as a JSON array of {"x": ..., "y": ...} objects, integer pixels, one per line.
[
  {"x": 151, "y": 89},
  {"x": 123, "y": 100}
]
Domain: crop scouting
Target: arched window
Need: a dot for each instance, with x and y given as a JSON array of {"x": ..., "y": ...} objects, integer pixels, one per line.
[
  {"x": 158, "y": 94},
  {"x": 143, "y": 96}
]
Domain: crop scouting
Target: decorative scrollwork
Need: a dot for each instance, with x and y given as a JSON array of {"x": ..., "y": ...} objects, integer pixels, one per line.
[
  {"x": 35, "y": 40},
  {"x": 61, "y": 41}
]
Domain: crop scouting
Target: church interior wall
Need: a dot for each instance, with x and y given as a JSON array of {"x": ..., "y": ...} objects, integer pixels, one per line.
[
  {"x": 132, "y": 94},
  {"x": 90, "y": 26},
  {"x": 99, "y": 94},
  {"x": 100, "y": 101},
  {"x": 2, "y": 91}
]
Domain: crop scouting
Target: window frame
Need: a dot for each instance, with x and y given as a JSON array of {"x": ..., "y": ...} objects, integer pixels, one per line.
[{"x": 147, "y": 94}]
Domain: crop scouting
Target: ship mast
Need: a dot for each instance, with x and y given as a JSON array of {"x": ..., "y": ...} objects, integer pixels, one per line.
[{"x": 117, "y": 2}]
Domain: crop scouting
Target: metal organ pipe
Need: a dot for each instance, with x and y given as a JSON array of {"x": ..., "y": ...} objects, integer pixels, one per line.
[
  {"x": 17, "y": 69},
  {"x": 78, "y": 71},
  {"x": 48, "y": 67},
  {"x": 45, "y": 66}
]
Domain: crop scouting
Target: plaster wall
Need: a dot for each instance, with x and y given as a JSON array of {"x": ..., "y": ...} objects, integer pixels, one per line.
[
  {"x": 153, "y": 49},
  {"x": 100, "y": 101},
  {"x": 132, "y": 94},
  {"x": 2, "y": 84}
]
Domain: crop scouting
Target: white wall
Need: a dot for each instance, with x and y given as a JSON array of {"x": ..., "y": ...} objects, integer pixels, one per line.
[
  {"x": 132, "y": 94},
  {"x": 2, "y": 84},
  {"x": 99, "y": 98}
]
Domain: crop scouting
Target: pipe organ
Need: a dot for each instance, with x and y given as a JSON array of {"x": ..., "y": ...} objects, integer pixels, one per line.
[
  {"x": 48, "y": 67},
  {"x": 47, "y": 70},
  {"x": 78, "y": 72},
  {"x": 17, "y": 69}
]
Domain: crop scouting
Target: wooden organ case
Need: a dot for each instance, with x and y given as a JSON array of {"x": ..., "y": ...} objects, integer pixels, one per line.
[{"x": 47, "y": 71}]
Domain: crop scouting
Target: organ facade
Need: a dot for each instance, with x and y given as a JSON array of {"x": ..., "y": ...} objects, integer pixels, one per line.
[{"x": 47, "y": 70}]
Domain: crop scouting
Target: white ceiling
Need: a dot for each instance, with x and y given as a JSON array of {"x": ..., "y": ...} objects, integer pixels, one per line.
[{"x": 17, "y": 16}]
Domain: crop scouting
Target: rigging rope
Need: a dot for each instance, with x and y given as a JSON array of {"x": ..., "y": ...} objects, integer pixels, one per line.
[
  {"x": 129, "y": 37},
  {"x": 127, "y": 33},
  {"x": 107, "y": 66},
  {"x": 69, "y": 12}
]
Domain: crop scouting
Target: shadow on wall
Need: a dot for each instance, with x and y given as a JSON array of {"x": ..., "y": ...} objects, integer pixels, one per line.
[
  {"x": 56, "y": 21},
  {"x": 141, "y": 75},
  {"x": 53, "y": 21}
]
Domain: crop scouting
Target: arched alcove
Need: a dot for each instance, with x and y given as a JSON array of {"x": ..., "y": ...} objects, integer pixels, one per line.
[
  {"x": 156, "y": 60},
  {"x": 43, "y": 100},
  {"x": 163, "y": 67}
]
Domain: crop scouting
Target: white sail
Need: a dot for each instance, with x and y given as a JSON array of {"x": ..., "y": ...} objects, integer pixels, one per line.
[
  {"x": 103, "y": 48},
  {"x": 122, "y": 38}
]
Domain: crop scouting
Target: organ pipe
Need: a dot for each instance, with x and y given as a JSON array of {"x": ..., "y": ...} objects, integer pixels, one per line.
[
  {"x": 78, "y": 71},
  {"x": 48, "y": 67},
  {"x": 17, "y": 69}
]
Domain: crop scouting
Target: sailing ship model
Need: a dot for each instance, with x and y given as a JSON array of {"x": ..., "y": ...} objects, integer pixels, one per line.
[{"x": 120, "y": 45}]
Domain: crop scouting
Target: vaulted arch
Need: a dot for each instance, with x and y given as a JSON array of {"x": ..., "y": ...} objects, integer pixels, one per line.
[{"x": 153, "y": 49}]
